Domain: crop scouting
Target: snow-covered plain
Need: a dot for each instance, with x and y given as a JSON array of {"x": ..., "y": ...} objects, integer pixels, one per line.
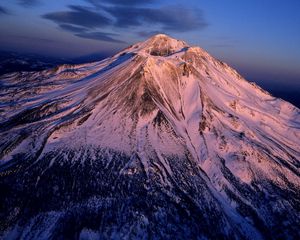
[{"x": 159, "y": 141}]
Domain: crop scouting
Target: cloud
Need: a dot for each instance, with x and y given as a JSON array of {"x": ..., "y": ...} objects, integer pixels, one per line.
[
  {"x": 72, "y": 28},
  {"x": 100, "y": 36},
  {"x": 81, "y": 21},
  {"x": 86, "y": 21},
  {"x": 28, "y": 3},
  {"x": 80, "y": 16},
  {"x": 174, "y": 18},
  {"x": 98, "y": 3},
  {"x": 3, "y": 11}
]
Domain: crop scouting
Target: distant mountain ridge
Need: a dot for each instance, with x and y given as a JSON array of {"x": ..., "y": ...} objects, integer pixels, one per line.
[
  {"x": 160, "y": 141},
  {"x": 17, "y": 62}
]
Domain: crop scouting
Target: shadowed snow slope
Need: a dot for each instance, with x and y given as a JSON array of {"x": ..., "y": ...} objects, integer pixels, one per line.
[{"x": 160, "y": 141}]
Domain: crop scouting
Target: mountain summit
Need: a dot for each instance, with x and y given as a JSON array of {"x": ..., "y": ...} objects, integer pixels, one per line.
[
  {"x": 160, "y": 45},
  {"x": 160, "y": 141}
]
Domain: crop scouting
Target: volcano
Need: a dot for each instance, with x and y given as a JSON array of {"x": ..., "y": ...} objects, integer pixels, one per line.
[{"x": 160, "y": 141}]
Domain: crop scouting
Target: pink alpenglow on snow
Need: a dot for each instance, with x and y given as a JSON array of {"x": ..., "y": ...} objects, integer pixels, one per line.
[{"x": 159, "y": 141}]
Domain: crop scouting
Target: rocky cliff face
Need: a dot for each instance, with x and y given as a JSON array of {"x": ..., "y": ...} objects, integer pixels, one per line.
[{"x": 159, "y": 141}]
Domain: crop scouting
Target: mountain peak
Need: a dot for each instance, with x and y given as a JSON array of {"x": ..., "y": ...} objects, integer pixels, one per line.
[
  {"x": 161, "y": 45},
  {"x": 162, "y": 38},
  {"x": 161, "y": 35}
]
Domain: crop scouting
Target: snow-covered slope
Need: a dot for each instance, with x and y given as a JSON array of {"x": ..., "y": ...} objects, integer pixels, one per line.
[{"x": 159, "y": 141}]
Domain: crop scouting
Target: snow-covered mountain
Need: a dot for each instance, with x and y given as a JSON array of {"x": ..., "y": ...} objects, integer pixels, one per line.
[{"x": 161, "y": 141}]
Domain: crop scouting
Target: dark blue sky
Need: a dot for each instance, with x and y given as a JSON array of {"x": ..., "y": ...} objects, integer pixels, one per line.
[{"x": 261, "y": 38}]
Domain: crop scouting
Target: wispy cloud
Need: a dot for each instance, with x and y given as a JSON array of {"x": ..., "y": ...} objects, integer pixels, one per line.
[
  {"x": 82, "y": 21},
  {"x": 72, "y": 28},
  {"x": 3, "y": 11},
  {"x": 108, "y": 37},
  {"x": 174, "y": 18},
  {"x": 121, "y": 15},
  {"x": 99, "y": 3},
  {"x": 29, "y": 3},
  {"x": 78, "y": 15}
]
